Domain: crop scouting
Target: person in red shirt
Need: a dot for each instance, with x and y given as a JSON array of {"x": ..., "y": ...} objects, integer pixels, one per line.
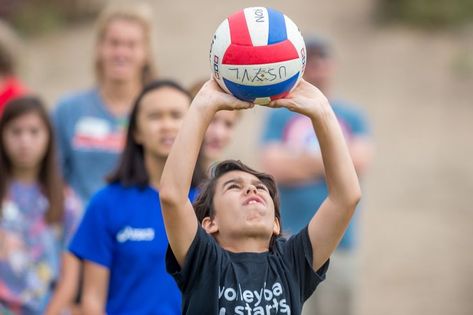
[{"x": 10, "y": 85}]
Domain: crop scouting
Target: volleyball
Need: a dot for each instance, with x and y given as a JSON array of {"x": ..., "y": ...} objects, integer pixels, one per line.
[{"x": 257, "y": 54}]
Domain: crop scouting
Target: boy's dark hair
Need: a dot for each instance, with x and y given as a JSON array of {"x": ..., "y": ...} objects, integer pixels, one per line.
[
  {"x": 131, "y": 169},
  {"x": 204, "y": 206},
  {"x": 49, "y": 178}
]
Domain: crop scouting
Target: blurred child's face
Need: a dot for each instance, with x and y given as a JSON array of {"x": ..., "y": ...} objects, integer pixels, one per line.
[
  {"x": 26, "y": 139},
  {"x": 219, "y": 134},
  {"x": 159, "y": 118},
  {"x": 123, "y": 51},
  {"x": 243, "y": 207}
]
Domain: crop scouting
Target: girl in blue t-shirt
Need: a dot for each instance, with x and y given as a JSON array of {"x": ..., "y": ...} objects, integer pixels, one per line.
[
  {"x": 37, "y": 215},
  {"x": 122, "y": 239}
]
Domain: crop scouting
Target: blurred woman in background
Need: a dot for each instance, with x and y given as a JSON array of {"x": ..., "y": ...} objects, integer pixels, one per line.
[{"x": 91, "y": 124}]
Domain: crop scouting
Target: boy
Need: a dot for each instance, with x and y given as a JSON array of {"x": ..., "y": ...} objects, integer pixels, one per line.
[{"x": 236, "y": 255}]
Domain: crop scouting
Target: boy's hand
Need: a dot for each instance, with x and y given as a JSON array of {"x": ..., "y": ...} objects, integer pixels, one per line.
[
  {"x": 213, "y": 97},
  {"x": 305, "y": 99}
]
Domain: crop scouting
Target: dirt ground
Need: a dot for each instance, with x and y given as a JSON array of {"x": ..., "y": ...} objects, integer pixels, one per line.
[{"x": 416, "y": 243}]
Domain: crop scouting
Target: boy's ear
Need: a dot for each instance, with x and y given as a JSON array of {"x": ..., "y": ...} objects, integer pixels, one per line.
[
  {"x": 276, "y": 227},
  {"x": 210, "y": 226}
]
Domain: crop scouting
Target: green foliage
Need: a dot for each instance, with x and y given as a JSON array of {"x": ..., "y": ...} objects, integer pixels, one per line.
[
  {"x": 34, "y": 19},
  {"x": 426, "y": 13},
  {"x": 38, "y": 16}
]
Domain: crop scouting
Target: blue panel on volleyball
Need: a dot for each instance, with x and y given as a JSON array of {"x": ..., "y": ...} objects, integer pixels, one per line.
[
  {"x": 277, "y": 27},
  {"x": 250, "y": 93}
]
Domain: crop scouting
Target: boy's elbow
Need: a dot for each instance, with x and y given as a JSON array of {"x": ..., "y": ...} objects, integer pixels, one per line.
[
  {"x": 167, "y": 197},
  {"x": 171, "y": 198},
  {"x": 357, "y": 197},
  {"x": 354, "y": 197},
  {"x": 350, "y": 199}
]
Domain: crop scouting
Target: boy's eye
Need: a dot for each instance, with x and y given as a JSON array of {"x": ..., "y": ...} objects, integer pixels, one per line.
[
  {"x": 233, "y": 186},
  {"x": 262, "y": 187}
]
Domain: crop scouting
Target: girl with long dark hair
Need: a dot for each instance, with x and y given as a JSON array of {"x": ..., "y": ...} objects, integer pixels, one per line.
[
  {"x": 37, "y": 214},
  {"x": 122, "y": 238}
]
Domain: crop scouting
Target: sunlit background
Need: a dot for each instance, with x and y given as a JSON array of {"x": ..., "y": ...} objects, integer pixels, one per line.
[{"x": 408, "y": 63}]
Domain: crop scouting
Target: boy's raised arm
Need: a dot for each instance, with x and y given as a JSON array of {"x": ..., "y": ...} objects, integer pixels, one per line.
[
  {"x": 329, "y": 223},
  {"x": 179, "y": 216}
]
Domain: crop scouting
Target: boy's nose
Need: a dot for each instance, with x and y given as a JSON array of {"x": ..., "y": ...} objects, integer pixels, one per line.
[{"x": 251, "y": 188}]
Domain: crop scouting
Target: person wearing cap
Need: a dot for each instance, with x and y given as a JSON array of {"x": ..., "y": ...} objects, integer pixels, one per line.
[{"x": 288, "y": 153}]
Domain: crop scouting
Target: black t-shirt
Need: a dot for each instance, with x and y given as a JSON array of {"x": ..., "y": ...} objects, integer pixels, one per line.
[{"x": 214, "y": 281}]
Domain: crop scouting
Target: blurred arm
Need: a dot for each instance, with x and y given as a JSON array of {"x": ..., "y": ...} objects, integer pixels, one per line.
[
  {"x": 361, "y": 150},
  {"x": 67, "y": 286},
  {"x": 95, "y": 290},
  {"x": 290, "y": 168}
]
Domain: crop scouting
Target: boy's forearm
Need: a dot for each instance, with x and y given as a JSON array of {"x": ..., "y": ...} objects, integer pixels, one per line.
[
  {"x": 180, "y": 164},
  {"x": 340, "y": 173}
]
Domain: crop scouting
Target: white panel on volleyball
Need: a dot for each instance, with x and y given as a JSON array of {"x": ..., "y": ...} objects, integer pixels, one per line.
[
  {"x": 295, "y": 36},
  {"x": 262, "y": 100},
  {"x": 220, "y": 43},
  {"x": 262, "y": 74},
  {"x": 257, "y": 19}
]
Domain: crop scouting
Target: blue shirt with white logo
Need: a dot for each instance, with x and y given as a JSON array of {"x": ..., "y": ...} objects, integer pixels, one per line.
[{"x": 123, "y": 231}]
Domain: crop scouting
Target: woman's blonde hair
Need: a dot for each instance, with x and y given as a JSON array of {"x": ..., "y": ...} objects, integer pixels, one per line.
[{"x": 136, "y": 12}]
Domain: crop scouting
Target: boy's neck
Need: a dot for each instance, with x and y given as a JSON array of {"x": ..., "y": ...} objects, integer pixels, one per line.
[{"x": 245, "y": 245}]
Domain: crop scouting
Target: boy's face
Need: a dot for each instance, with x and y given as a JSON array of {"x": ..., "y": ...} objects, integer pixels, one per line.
[{"x": 243, "y": 207}]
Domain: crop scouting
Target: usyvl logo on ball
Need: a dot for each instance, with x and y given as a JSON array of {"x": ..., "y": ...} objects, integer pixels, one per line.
[{"x": 257, "y": 54}]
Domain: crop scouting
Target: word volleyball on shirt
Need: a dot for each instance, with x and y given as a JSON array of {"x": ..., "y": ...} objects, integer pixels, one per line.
[{"x": 265, "y": 301}]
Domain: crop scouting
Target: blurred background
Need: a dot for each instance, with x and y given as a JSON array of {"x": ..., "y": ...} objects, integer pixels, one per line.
[{"x": 409, "y": 63}]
